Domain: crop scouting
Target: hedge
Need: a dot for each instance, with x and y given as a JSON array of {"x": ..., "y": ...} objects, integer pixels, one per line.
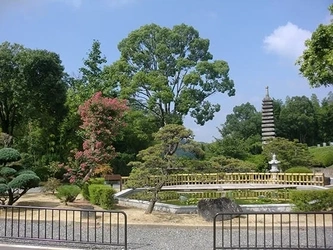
[
  {"x": 102, "y": 195},
  {"x": 85, "y": 187},
  {"x": 312, "y": 200}
]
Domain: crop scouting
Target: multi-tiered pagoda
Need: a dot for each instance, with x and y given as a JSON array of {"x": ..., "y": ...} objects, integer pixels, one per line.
[{"x": 267, "y": 122}]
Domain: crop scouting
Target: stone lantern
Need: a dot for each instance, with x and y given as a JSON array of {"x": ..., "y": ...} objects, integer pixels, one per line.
[{"x": 274, "y": 164}]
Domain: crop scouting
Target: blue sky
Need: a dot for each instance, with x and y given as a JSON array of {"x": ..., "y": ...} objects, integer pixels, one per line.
[{"x": 260, "y": 39}]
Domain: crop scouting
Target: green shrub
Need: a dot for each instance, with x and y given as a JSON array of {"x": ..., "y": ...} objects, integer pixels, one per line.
[
  {"x": 312, "y": 200},
  {"x": 85, "y": 191},
  {"x": 99, "y": 181},
  {"x": 259, "y": 160},
  {"x": 102, "y": 195},
  {"x": 323, "y": 155},
  {"x": 85, "y": 186},
  {"x": 51, "y": 185},
  {"x": 107, "y": 198},
  {"x": 68, "y": 193},
  {"x": 298, "y": 170}
]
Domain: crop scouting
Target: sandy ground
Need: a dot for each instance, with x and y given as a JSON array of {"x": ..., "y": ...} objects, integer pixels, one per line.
[
  {"x": 134, "y": 215},
  {"x": 137, "y": 216}
]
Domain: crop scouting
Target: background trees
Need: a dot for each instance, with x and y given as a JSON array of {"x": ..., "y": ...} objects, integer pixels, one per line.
[
  {"x": 31, "y": 87},
  {"x": 170, "y": 73},
  {"x": 164, "y": 74},
  {"x": 316, "y": 63}
]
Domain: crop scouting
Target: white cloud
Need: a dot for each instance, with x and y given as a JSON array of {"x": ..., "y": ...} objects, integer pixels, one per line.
[{"x": 287, "y": 41}]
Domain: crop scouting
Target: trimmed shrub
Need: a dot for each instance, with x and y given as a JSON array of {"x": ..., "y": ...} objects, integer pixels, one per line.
[
  {"x": 298, "y": 170},
  {"x": 107, "y": 200},
  {"x": 85, "y": 186},
  {"x": 312, "y": 200},
  {"x": 68, "y": 193},
  {"x": 102, "y": 195},
  {"x": 51, "y": 185}
]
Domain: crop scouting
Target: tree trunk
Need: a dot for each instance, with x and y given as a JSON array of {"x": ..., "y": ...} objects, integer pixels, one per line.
[
  {"x": 88, "y": 175},
  {"x": 10, "y": 197},
  {"x": 151, "y": 206},
  {"x": 153, "y": 200}
]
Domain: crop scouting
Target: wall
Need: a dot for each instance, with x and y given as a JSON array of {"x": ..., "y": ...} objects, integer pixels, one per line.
[{"x": 162, "y": 207}]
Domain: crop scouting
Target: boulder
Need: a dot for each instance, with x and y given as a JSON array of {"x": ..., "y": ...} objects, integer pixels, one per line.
[{"x": 208, "y": 208}]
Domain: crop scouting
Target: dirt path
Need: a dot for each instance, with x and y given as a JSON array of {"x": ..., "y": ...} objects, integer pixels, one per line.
[{"x": 134, "y": 215}]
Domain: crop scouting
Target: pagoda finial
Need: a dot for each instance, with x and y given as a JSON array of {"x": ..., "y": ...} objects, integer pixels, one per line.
[{"x": 267, "y": 93}]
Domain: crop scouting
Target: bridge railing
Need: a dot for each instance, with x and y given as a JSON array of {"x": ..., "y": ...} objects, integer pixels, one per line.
[
  {"x": 317, "y": 179},
  {"x": 82, "y": 226},
  {"x": 285, "y": 230}
]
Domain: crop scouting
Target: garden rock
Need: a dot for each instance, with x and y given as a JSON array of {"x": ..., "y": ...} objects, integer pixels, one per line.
[{"x": 208, "y": 208}]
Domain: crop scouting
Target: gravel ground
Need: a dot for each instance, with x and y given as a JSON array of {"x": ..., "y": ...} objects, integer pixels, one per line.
[{"x": 188, "y": 238}]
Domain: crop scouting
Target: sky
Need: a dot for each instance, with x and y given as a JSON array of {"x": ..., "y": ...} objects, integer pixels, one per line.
[{"x": 260, "y": 39}]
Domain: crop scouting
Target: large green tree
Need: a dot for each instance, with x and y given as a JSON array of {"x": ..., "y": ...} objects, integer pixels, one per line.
[
  {"x": 298, "y": 120},
  {"x": 244, "y": 122},
  {"x": 240, "y": 133},
  {"x": 31, "y": 87},
  {"x": 89, "y": 81},
  {"x": 316, "y": 63},
  {"x": 170, "y": 73}
]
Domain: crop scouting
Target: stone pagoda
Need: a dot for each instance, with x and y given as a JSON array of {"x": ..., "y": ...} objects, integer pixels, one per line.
[{"x": 267, "y": 122}]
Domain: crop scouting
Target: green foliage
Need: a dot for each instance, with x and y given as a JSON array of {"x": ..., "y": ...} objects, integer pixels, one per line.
[
  {"x": 323, "y": 155},
  {"x": 68, "y": 193},
  {"x": 298, "y": 170},
  {"x": 107, "y": 200},
  {"x": 24, "y": 181},
  {"x": 196, "y": 166},
  {"x": 290, "y": 153},
  {"x": 231, "y": 165},
  {"x": 244, "y": 122},
  {"x": 102, "y": 195},
  {"x": 14, "y": 177},
  {"x": 312, "y": 200},
  {"x": 3, "y": 189},
  {"x": 259, "y": 160},
  {"x": 138, "y": 176},
  {"x": 161, "y": 157},
  {"x": 316, "y": 63},
  {"x": 91, "y": 181},
  {"x": 161, "y": 196},
  {"x": 6, "y": 171},
  {"x": 51, "y": 185},
  {"x": 9, "y": 155},
  {"x": 170, "y": 73},
  {"x": 297, "y": 120}
]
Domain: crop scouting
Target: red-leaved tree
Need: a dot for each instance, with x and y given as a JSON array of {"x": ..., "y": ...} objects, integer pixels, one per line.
[{"x": 102, "y": 119}]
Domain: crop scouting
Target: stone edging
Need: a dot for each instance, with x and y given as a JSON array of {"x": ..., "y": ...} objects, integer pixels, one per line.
[{"x": 162, "y": 207}]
